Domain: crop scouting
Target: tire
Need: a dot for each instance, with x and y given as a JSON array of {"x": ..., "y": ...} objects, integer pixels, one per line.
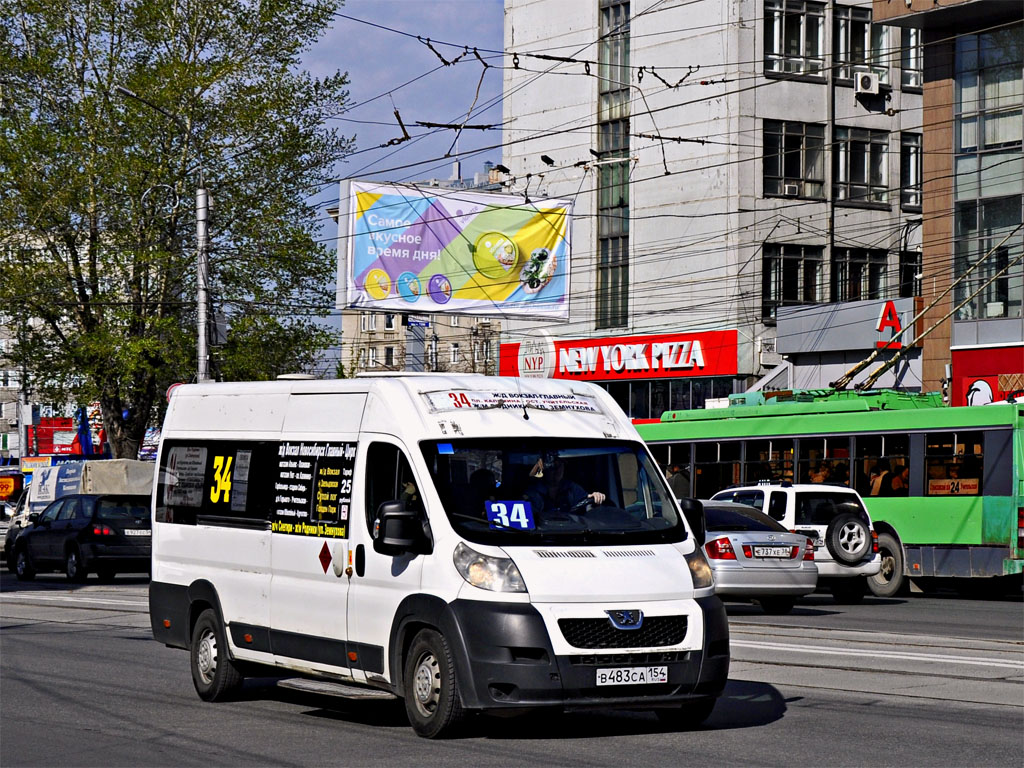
[
  {"x": 432, "y": 700},
  {"x": 23, "y": 568},
  {"x": 688, "y": 715},
  {"x": 848, "y": 538},
  {"x": 213, "y": 673},
  {"x": 777, "y": 606},
  {"x": 849, "y": 591},
  {"x": 890, "y": 581},
  {"x": 74, "y": 568}
]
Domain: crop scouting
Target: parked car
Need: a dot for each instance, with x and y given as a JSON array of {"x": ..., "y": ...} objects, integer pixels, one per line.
[
  {"x": 83, "y": 533},
  {"x": 753, "y": 556},
  {"x": 833, "y": 517}
]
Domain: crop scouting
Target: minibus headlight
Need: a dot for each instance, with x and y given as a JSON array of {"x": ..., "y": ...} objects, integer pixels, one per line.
[
  {"x": 700, "y": 571},
  {"x": 498, "y": 574}
]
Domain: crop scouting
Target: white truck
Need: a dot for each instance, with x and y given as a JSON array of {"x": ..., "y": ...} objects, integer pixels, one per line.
[{"x": 463, "y": 542}]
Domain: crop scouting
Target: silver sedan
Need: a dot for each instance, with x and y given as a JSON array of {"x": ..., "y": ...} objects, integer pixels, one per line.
[{"x": 753, "y": 556}]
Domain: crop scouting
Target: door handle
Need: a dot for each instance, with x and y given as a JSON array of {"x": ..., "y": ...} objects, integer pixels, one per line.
[{"x": 360, "y": 559}]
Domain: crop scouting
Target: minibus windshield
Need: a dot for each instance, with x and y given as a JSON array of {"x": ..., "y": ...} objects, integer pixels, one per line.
[{"x": 554, "y": 491}]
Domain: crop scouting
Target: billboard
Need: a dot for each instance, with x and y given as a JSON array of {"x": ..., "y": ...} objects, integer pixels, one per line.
[{"x": 407, "y": 249}]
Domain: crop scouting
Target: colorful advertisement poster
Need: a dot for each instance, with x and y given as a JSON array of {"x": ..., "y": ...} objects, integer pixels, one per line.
[{"x": 454, "y": 251}]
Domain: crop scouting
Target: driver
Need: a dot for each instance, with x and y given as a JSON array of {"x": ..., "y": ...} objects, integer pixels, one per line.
[{"x": 550, "y": 490}]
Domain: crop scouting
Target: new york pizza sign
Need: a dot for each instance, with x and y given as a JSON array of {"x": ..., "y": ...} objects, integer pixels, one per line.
[{"x": 707, "y": 353}]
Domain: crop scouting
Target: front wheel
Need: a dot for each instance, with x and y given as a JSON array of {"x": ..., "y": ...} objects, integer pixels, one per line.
[
  {"x": 23, "y": 568},
  {"x": 688, "y": 715},
  {"x": 213, "y": 674},
  {"x": 889, "y": 581},
  {"x": 432, "y": 700}
]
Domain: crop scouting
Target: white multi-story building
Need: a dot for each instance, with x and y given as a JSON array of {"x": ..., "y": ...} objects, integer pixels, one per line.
[{"x": 747, "y": 184}]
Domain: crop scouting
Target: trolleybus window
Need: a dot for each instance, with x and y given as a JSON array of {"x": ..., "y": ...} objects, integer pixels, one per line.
[{"x": 955, "y": 463}]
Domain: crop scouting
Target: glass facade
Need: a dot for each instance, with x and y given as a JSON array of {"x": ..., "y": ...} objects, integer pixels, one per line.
[
  {"x": 989, "y": 168},
  {"x": 612, "y": 308}
]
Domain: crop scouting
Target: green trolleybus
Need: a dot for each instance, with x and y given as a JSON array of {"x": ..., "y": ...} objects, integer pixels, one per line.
[{"x": 944, "y": 486}]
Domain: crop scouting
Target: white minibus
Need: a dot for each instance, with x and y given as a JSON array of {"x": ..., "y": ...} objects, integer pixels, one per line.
[{"x": 467, "y": 543}]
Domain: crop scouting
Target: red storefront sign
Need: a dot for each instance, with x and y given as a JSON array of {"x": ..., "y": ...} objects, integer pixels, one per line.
[
  {"x": 670, "y": 355},
  {"x": 987, "y": 374}
]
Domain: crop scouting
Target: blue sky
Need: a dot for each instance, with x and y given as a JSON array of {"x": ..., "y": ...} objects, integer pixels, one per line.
[{"x": 379, "y": 62}]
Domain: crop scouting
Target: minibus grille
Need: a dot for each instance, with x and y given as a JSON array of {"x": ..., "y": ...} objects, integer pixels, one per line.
[
  {"x": 629, "y": 553},
  {"x": 601, "y": 633}
]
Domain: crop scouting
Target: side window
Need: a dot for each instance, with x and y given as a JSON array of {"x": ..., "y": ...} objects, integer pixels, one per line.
[
  {"x": 777, "y": 506},
  {"x": 71, "y": 510},
  {"x": 389, "y": 477},
  {"x": 50, "y": 513},
  {"x": 954, "y": 463}
]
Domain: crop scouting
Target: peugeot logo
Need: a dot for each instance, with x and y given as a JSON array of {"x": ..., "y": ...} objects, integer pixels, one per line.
[{"x": 627, "y": 619}]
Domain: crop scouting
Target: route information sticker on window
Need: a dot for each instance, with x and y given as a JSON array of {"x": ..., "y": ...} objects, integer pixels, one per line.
[
  {"x": 462, "y": 399},
  {"x": 517, "y": 515}
]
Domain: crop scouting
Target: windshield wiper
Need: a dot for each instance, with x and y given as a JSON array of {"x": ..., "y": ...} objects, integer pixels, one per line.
[{"x": 489, "y": 523}]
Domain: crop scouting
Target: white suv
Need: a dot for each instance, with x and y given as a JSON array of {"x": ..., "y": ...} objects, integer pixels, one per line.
[{"x": 834, "y": 518}]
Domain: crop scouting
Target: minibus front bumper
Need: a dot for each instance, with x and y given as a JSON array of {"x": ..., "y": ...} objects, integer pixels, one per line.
[{"x": 504, "y": 660}]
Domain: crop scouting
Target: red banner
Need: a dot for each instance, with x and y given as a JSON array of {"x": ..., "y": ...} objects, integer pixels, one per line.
[{"x": 670, "y": 355}]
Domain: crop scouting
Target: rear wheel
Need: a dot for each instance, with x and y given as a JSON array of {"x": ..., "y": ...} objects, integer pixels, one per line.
[
  {"x": 431, "y": 693},
  {"x": 777, "y": 606},
  {"x": 890, "y": 581},
  {"x": 74, "y": 568},
  {"x": 849, "y": 591},
  {"x": 23, "y": 565},
  {"x": 690, "y": 714},
  {"x": 213, "y": 674}
]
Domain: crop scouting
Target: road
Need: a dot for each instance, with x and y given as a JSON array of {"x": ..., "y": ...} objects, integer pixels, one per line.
[{"x": 916, "y": 681}]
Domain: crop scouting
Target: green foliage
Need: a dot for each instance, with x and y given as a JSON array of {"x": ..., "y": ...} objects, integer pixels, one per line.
[{"x": 97, "y": 226}]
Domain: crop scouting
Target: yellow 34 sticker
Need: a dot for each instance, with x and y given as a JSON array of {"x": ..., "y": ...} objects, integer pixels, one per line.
[{"x": 221, "y": 478}]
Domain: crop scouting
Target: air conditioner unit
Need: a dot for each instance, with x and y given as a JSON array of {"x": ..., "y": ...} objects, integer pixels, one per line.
[
  {"x": 791, "y": 190},
  {"x": 866, "y": 82},
  {"x": 12, "y": 422}
]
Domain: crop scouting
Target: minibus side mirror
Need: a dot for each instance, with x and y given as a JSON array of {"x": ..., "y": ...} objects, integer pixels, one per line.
[
  {"x": 397, "y": 530},
  {"x": 693, "y": 510}
]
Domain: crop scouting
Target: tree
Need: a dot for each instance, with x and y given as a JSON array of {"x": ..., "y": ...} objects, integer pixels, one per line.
[{"x": 97, "y": 223}]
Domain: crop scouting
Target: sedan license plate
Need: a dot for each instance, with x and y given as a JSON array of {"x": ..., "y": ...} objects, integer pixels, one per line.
[
  {"x": 138, "y": 532},
  {"x": 773, "y": 551},
  {"x": 632, "y": 675}
]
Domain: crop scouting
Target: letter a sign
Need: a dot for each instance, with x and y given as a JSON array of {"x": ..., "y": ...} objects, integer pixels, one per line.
[{"x": 888, "y": 318}]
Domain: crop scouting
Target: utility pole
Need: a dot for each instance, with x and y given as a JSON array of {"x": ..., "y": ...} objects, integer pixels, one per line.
[
  {"x": 202, "y": 244},
  {"x": 202, "y": 274}
]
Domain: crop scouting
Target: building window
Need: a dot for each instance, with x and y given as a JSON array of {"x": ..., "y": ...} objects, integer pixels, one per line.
[
  {"x": 989, "y": 91},
  {"x": 454, "y": 353},
  {"x": 911, "y": 58},
  {"x": 858, "y": 45},
  {"x": 859, "y": 165},
  {"x": 791, "y": 276},
  {"x": 371, "y": 357},
  {"x": 612, "y": 308},
  {"x": 389, "y": 357},
  {"x": 858, "y": 274},
  {"x": 910, "y": 274},
  {"x": 994, "y": 288},
  {"x": 910, "y": 170},
  {"x": 454, "y": 321},
  {"x": 794, "y": 36},
  {"x": 794, "y": 159},
  {"x": 432, "y": 354},
  {"x": 390, "y": 322},
  {"x": 367, "y": 321}
]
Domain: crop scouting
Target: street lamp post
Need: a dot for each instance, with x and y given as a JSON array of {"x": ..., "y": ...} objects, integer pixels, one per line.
[{"x": 202, "y": 243}]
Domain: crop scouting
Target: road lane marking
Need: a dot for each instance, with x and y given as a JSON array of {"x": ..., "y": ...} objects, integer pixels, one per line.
[
  {"x": 69, "y": 599},
  {"x": 876, "y": 654}
]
